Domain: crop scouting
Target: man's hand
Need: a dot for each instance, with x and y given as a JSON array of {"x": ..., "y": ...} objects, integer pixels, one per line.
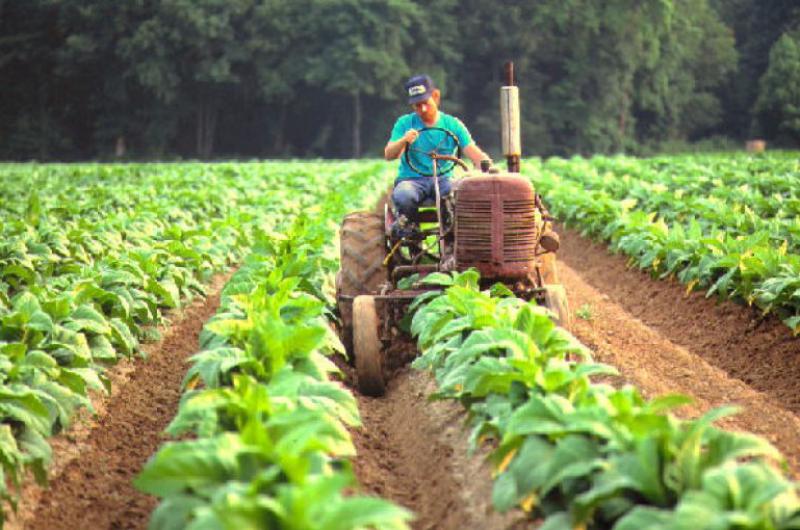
[
  {"x": 393, "y": 149},
  {"x": 411, "y": 136},
  {"x": 476, "y": 154}
]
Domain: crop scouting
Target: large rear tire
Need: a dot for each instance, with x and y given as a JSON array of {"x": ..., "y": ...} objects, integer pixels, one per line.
[
  {"x": 367, "y": 347},
  {"x": 362, "y": 251}
]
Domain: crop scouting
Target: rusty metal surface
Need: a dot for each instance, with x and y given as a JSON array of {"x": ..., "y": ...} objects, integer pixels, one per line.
[
  {"x": 396, "y": 294},
  {"x": 497, "y": 225},
  {"x": 407, "y": 270},
  {"x": 513, "y": 163},
  {"x": 508, "y": 73}
]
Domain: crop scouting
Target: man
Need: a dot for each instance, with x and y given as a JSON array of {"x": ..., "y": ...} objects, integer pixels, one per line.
[{"x": 414, "y": 184}]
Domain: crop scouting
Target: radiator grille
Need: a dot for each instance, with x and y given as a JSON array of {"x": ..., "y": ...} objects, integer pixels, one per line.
[
  {"x": 474, "y": 235},
  {"x": 520, "y": 230}
]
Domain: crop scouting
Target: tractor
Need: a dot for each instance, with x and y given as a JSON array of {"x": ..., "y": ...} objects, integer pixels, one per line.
[{"x": 491, "y": 221}]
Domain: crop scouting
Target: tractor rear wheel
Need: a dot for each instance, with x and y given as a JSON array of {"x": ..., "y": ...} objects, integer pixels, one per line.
[
  {"x": 367, "y": 347},
  {"x": 362, "y": 251}
]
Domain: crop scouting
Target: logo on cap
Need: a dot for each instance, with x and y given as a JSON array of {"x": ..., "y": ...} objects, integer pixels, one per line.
[{"x": 419, "y": 88}]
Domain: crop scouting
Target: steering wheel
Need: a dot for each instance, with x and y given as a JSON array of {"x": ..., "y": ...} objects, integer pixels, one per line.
[{"x": 445, "y": 152}]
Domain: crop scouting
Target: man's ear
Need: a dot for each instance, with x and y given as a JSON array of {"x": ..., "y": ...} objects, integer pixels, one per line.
[{"x": 436, "y": 95}]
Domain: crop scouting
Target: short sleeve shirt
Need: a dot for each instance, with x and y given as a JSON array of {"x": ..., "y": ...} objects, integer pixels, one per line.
[{"x": 426, "y": 143}]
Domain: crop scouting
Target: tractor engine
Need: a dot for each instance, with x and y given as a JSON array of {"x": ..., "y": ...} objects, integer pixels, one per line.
[{"x": 496, "y": 226}]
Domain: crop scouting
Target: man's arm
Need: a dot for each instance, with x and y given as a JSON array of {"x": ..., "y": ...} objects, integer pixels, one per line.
[
  {"x": 472, "y": 151},
  {"x": 394, "y": 149},
  {"x": 476, "y": 154}
]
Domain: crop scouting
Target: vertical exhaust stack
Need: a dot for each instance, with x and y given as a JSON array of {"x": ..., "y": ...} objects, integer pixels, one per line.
[{"x": 509, "y": 119}]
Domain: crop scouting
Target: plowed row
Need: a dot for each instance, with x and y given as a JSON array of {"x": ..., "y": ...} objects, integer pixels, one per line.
[{"x": 414, "y": 452}]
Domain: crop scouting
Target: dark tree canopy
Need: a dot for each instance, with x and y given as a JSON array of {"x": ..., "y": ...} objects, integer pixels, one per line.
[{"x": 272, "y": 78}]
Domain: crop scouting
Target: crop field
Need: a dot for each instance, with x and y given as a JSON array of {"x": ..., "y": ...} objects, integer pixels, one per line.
[
  {"x": 727, "y": 225},
  {"x": 170, "y": 357}
]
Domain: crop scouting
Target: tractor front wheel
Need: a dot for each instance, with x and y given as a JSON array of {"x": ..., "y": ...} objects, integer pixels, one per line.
[{"x": 367, "y": 347}]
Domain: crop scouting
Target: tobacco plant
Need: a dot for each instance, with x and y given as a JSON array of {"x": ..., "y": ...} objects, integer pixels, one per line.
[
  {"x": 91, "y": 257},
  {"x": 583, "y": 454},
  {"x": 271, "y": 446},
  {"x": 727, "y": 224}
]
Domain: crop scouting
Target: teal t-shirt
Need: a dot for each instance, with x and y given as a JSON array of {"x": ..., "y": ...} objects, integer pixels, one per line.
[{"x": 428, "y": 141}]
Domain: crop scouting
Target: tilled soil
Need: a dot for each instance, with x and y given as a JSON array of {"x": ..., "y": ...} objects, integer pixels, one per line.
[
  {"x": 666, "y": 341},
  {"x": 417, "y": 454},
  {"x": 95, "y": 462}
]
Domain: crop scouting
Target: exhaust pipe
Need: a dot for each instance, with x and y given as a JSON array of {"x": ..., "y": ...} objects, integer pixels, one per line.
[{"x": 509, "y": 120}]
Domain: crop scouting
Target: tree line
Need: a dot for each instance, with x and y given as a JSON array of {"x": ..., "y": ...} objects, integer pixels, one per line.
[{"x": 144, "y": 79}]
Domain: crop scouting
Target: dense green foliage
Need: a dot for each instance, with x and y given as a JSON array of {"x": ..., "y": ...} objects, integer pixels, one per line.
[
  {"x": 166, "y": 78},
  {"x": 778, "y": 103},
  {"x": 91, "y": 256},
  {"x": 582, "y": 454},
  {"x": 757, "y": 25},
  {"x": 727, "y": 224},
  {"x": 269, "y": 446}
]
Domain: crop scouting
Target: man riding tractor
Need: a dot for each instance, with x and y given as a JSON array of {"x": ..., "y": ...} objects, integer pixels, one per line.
[
  {"x": 413, "y": 185},
  {"x": 489, "y": 221}
]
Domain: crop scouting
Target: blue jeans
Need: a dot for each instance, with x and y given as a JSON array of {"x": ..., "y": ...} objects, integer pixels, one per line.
[{"x": 409, "y": 194}]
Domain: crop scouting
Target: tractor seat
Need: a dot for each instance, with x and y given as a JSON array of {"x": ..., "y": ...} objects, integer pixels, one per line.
[{"x": 427, "y": 212}]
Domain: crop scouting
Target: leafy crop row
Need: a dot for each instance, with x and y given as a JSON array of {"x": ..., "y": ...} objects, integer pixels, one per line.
[
  {"x": 90, "y": 256},
  {"x": 269, "y": 445},
  {"x": 732, "y": 232},
  {"x": 581, "y": 454}
]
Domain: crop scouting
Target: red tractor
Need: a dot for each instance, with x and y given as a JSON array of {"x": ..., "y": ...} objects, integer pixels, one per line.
[{"x": 491, "y": 221}]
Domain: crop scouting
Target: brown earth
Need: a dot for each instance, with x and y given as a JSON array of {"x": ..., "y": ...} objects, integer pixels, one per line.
[
  {"x": 665, "y": 341},
  {"x": 96, "y": 460},
  {"x": 417, "y": 454}
]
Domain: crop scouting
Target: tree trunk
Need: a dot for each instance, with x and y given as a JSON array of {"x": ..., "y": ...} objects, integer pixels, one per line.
[
  {"x": 206, "y": 126},
  {"x": 279, "y": 144},
  {"x": 356, "y": 125},
  {"x": 623, "y": 114},
  {"x": 44, "y": 134},
  {"x": 210, "y": 129},
  {"x": 119, "y": 147},
  {"x": 199, "y": 130}
]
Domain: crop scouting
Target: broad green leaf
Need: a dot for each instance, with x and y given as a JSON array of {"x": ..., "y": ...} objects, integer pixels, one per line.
[
  {"x": 438, "y": 278},
  {"x": 122, "y": 337},
  {"x": 87, "y": 318},
  {"x": 191, "y": 466},
  {"x": 646, "y": 517},
  {"x": 102, "y": 350}
]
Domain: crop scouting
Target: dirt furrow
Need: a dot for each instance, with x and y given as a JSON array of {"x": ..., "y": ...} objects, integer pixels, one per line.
[
  {"x": 416, "y": 454},
  {"x": 665, "y": 341},
  {"x": 97, "y": 459}
]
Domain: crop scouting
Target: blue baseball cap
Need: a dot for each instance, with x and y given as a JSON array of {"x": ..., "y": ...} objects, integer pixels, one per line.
[{"x": 419, "y": 88}]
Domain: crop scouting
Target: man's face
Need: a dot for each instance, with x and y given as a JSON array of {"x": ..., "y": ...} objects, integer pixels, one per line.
[{"x": 427, "y": 109}]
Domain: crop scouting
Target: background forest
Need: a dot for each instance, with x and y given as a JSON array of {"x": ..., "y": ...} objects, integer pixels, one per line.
[{"x": 143, "y": 79}]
